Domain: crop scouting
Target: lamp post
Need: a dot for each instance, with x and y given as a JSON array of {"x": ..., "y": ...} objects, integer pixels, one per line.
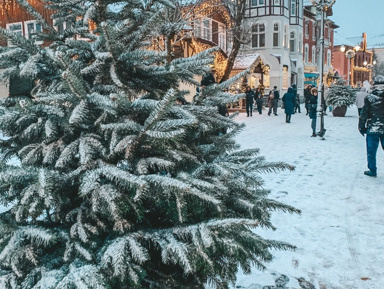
[{"x": 322, "y": 6}]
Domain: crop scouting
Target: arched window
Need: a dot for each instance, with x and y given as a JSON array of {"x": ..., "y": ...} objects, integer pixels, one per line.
[
  {"x": 292, "y": 42},
  {"x": 258, "y": 35},
  {"x": 306, "y": 51},
  {"x": 276, "y": 35}
]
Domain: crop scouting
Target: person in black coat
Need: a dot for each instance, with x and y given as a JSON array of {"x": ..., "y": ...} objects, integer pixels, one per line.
[
  {"x": 289, "y": 104},
  {"x": 207, "y": 79},
  {"x": 312, "y": 109},
  {"x": 371, "y": 123},
  {"x": 249, "y": 94},
  {"x": 307, "y": 95},
  {"x": 297, "y": 99},
  {"x": 259, "y": 101}
]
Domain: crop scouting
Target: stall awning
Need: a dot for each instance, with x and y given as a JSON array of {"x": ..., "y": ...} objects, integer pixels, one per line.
[{"x": 311, "y": 75}]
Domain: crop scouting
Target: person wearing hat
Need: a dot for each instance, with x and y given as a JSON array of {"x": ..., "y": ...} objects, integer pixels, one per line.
[
  {"x": 312, "y": 109},
  {"x": 371, "y": 123},
  {"x": 307, "y": 95}
]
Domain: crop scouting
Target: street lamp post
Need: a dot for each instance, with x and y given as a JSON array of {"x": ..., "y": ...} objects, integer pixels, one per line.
[{"x": 322, "y": 6}]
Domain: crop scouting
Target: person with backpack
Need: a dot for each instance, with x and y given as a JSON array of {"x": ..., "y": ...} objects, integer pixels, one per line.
[{"x": 371, "y": 123}]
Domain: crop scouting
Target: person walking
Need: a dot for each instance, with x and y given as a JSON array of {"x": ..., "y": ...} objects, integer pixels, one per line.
[
  {"x": 274, "y": 101},
  {"x": 289, "y": 104},
  {"x": 360, "y": 99},
  {"x": 249, "y": 94},
  {"x": 371, "y": 123},
  {"x": 307, "y": 95},
  {"x": 312, "y": 107},
  {"x": 259, "y": 101},
  {"x": 297, "y": 99}
]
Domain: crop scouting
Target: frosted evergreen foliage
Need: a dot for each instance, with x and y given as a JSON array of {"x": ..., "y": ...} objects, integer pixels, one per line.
[
  {"x": 118, "y": 186},
  {"x": 341, "y": 94}
]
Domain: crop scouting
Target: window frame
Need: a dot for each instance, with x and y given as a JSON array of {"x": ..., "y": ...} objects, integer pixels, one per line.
[
  {"x": 257, "y": 3},
  {"x": 8, "y": 25},
  {"x": 26, "y": 30},
  {"x": 293, "y": 7},
  {"x": 258, "y": 35},
  {"x": 276, "y": 33},
  {"x": 306, "y": 52},
  {"x": 314, "y": 56},
  {"x": 292, "y": 41}
]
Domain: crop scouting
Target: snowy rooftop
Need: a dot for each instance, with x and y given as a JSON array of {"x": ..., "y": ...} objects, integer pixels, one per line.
[
  {"x": 375, "y": 41},
  {"x": 245, "y": 61}
]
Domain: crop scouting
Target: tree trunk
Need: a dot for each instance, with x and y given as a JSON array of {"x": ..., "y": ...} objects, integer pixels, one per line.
[{"x": 237, "y": 37}]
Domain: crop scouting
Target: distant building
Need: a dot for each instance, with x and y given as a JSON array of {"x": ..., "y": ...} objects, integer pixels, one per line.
[
  {"x": 352, "y": 59},
  {"x": 276, "y": 28},
  {"x": 312, "y": 32}
]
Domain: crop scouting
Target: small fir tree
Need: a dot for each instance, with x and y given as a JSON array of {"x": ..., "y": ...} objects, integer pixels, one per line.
[
  {"x": 341, "y": 95},
  {"x": 118, "y": 186}
]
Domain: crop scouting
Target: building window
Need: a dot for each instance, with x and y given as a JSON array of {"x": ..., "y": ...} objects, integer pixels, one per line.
[
  {"x": 258, "y": 35},
  {"x": 285, "y": 77},
  {"x": 313, "y": 54},
  {"x": 313, "y": 31},
  {"x": 257, "y": 3},
  {"x": 293, "y": 7},
  {"x": 31, "y": 28},
  {"x": 275, "y": 34},
  {"x": 222, "y": 37},
  {"x": 300, "y": 43},
  {"x": 306, "y": 51},
  {"x": 329, "y": 34},
  {"x": 16, "y": 28},
  {"x": 285, "y": 36},
  {"x": 276, "y": 2},
  {"x": 306, "y": 28},
  {"x": 329, "y": 57},
  {"x": 292, "y": 44},
  {"x": 197, "y": 27},
  {"x": 206, "y": 29}
]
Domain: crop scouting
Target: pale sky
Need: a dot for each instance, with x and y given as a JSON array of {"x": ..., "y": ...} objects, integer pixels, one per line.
[{"x": 357, "y": 16}]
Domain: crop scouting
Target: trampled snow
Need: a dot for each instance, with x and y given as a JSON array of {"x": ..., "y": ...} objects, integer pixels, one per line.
[{"x": 340, "y": 233}]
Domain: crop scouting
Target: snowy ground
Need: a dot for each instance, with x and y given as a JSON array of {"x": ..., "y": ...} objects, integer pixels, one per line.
[{"x": 340, "y": 233}]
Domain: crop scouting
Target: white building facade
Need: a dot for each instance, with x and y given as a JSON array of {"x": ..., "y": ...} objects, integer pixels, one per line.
[{"x": 276, "y": 34}]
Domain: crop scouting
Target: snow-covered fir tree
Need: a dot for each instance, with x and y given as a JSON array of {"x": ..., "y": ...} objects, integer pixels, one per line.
[
  {"x": 116, "y": 185},
  {"x": 341, "y": 94}
]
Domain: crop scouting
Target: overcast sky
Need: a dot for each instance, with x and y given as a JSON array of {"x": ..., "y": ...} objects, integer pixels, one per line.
[{"x": 357, "y": 16}]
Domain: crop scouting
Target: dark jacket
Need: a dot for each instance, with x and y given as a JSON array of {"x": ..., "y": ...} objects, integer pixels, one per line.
[
  {"x": 276, "y": 95},
  {"x": 312, "y": 106},
  {"x": 207, "y": 79},
  {"x": 289, "y": 100},
  {"x": 371, "y": 120},
  {"x": 20, "y": 86},
  {"x": 307, "y": 96},
  {"x": 249, "y": 96}
]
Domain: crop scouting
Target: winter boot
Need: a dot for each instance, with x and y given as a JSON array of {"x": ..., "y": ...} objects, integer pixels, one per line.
[{"x": 370, "y": 174}]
